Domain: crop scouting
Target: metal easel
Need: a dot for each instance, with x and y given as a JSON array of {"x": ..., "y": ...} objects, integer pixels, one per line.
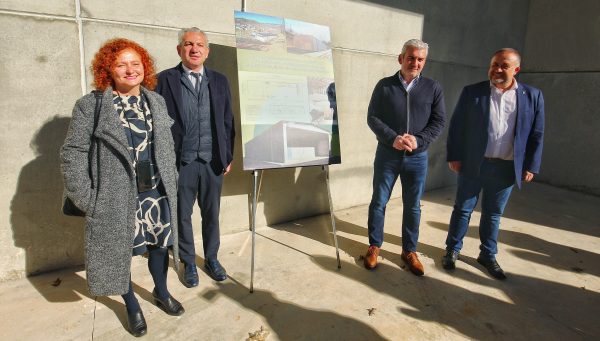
[{"x": 255, "y": 190}]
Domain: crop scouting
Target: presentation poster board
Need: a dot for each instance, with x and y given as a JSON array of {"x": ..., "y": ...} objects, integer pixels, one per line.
[{"x": 287, "y": 93}]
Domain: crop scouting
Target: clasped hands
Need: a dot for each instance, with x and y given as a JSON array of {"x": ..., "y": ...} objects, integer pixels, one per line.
[{"x": 405, "y": 142}]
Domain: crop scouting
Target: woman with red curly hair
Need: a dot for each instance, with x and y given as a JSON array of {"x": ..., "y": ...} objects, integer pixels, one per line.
[{"x": 119, "y": 168}]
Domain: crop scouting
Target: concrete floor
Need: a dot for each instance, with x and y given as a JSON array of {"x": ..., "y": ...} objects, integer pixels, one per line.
[{"x": 549, "y": 247}]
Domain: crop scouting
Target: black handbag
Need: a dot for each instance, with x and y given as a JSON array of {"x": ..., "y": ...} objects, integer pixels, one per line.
[{"x": 69, "y": 207}]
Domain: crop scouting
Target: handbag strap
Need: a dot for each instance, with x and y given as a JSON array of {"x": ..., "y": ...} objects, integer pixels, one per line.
[{"x": 98, "y": 94}]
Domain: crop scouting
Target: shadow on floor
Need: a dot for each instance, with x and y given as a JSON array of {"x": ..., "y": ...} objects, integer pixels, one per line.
[
  {"x": 540, "y": 251},
  {"x": 565, "y": 311},
  {"x": 350, "y": 246},
  {"x": 530, "y": 302},
  {"x": 290, "y": 321},
  {"x": 69, "y": 286},
  {"x": 540, "y": 204}
]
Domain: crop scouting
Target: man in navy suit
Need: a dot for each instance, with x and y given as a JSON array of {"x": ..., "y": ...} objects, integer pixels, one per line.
[
  {"x": 494, "y": 141},
  {"x": 199, "y": 100}
]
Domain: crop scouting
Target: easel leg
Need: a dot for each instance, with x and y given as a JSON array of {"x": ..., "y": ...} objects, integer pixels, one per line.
[
  {"x": 337, "y": 250},
  {"x": 253, "y": 226}
]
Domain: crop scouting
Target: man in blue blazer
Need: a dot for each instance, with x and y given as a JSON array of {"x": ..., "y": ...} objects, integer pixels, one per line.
[
  {"x": 494, "y": 141},
  {"x": 199, "y": 100}
]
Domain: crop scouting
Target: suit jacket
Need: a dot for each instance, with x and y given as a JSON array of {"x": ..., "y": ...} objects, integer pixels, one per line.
[
  {"x": 468, "y": 133},
  {"x": 169, "y": 86}
]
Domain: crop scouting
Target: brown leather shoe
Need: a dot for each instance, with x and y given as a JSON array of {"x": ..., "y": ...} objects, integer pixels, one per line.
[
  {"x": 411, "y": 259},
  {"x": 371, "y": 257}
]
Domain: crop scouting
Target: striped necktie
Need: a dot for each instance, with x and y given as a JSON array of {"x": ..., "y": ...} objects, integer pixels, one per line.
[{"x": 197, "y": 75}]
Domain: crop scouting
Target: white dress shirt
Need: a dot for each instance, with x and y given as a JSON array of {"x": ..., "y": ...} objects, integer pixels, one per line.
[
  {"x": 188, "y": 73},
  {"x": 503, "y": 117}
]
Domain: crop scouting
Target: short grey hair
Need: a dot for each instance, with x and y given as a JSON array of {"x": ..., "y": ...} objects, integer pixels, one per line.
[
  {"x": 509, "y": 50},
  {"x": 183, "y": 31},
  {"x": 417, "y": 44}
]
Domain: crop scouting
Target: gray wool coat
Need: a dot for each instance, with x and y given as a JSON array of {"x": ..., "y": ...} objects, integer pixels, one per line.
[{"x": 109, "y": 196}]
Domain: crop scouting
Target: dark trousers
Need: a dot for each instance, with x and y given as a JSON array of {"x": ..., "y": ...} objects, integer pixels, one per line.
[
  {"x": 412, "y": 170},
  {"x": 198, "y": 180}
]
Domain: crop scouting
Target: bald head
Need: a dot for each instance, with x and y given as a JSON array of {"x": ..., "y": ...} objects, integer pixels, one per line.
[{"x": 509, "y": 52}]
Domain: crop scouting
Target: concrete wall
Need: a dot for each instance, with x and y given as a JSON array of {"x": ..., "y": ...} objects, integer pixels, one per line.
[
  {"x": 561, "y": 58},
  {"x": 462, "y": 35},
  {"x": 46, "y": 52},
  {"x": 54, "y": 43},
  {"x": 39, "y": 84}
]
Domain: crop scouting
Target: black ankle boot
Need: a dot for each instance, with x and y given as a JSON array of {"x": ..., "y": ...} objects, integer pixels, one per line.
[
  {"x": 136, "y": 323},
  {"x": 169, "y": 305}
]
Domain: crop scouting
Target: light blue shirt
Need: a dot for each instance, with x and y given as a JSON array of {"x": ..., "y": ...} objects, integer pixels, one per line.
[{"x": 408, "y": 86}]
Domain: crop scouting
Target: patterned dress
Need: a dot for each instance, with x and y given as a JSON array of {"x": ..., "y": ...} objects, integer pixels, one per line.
[{"x": 153, "y": 215}]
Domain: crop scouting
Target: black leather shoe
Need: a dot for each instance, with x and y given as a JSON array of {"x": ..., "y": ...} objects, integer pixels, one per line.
[
  {"x": 169, "y": 305},
  {"x": 215, "y": 270},
  {"x": 190, "y": 276},
  {"x": 136, "y": 324},
  {"x": 492, "y": 267},
  {"x": 449, "y": 260}
]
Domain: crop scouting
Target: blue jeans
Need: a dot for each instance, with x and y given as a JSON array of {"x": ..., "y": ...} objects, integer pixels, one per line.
[
  {"x": 495, "y": 181},
  {"x": 412, "y": 170}
]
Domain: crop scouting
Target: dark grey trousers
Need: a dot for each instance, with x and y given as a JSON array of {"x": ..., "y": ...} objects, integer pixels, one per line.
[{"x": 197, "y": 180}]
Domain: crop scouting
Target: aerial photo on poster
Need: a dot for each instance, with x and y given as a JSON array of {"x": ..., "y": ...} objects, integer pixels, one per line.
[{"x": 287, "y": 92}]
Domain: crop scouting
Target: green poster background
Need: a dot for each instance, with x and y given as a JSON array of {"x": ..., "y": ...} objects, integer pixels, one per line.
[{"x": 287, "y": 92}]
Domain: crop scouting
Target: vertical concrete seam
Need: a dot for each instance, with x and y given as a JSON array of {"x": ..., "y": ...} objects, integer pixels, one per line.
[
  {"x": 95, "y": 304},
  {"x": 81, "y": 49}
]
